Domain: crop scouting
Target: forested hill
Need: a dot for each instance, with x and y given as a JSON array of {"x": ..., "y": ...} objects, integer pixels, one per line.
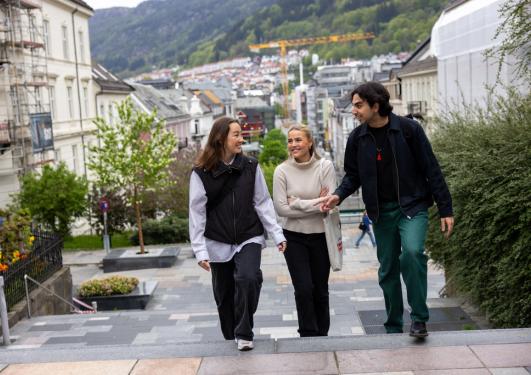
[
  {"x": 168, "y": 32},
  {"x": 162, "y": 33}
]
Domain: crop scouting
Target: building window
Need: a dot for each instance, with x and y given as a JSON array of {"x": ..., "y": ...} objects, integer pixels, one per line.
[
  {"x": 46, "y": 36},
  {"x": 57, "y": 155},
  {"x": 81, "y": 46},
  {"x": 14, "y": 101},
  {"x": 102, "y": 111},
  {"x": 66, "y": 52},
  {"x": 74, "y": 159},
  {"x": 86, "y": 101},
  {"x": 70, "y": 99},
  {"x": 111, "y": 114},
  {"x": 33, "y": 28},
  {"x": 38, "y": 99},
  {"x": 51, "y": 94}
]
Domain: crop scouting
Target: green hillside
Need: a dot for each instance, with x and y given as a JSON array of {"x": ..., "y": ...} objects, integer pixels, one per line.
[{"x": 164, "y": 33}]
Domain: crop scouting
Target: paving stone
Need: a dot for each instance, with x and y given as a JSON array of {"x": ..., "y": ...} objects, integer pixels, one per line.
[
  {"x": 77, "y": 368},
  {"x": 509, "y": 371},
  {"x": 288, "y": 364},
  {"x": 181, "y": 366},
  {"x": 407, "y": 359},
  {"x": 475, "y": 371},
  {"x": 66, "y": 340},
  {"x": 51, "y": 327},
  {"x": 504, "y": 355}
]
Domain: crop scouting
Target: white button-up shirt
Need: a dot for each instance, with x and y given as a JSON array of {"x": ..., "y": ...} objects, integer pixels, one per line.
[{"x": 214, "y": 251}]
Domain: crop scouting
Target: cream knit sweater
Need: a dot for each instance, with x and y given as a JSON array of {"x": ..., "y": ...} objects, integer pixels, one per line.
[{"x": 302, "y": 182}]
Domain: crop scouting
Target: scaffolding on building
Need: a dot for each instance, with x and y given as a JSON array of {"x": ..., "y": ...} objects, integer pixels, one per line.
[{"x": 24, "y": 94}]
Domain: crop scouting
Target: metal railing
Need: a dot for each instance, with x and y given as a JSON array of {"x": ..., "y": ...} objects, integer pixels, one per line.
[
  {"x": 43, "y": 261},
  {"x": 75, "y": 309}
]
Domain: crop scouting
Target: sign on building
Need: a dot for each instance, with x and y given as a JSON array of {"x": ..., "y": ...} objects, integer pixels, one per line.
[{"x": 41, "y": 131}]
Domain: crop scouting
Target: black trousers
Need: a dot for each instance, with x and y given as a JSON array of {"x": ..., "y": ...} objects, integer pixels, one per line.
[
  {"x": 237, "y": 285},
  {"x": 309, "y": 268}
]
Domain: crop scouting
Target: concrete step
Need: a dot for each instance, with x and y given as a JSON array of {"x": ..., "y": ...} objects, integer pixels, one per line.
[{"x": 66, "y": 353}]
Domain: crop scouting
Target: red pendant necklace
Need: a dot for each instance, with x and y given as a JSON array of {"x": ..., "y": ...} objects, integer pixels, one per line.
[{"x": 379, "y": 154}]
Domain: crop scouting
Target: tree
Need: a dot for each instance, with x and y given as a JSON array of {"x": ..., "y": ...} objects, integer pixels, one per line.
[
  {"x": 173, "y": 198},
  {"x": 132, "y": 156},
  {"x": 120, "y": 215},
  {"x": 273, "y": 153},
  {"x": 515, "y": 35},
  {"x": 55, "y": 197},
  {"x": 274, "y": 148}
]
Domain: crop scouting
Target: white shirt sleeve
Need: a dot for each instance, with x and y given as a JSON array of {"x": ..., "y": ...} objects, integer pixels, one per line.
[
  {"x": 264, "y": 207},
  {"x": 197, "y": 217}
]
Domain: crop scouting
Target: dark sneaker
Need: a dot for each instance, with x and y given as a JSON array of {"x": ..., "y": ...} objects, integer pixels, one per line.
[{"x": 418, "y": 329}]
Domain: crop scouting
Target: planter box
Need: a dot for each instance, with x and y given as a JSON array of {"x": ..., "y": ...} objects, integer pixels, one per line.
[
  {"x": 137, "y": 299},
  {"x": 123, "y": 260}
]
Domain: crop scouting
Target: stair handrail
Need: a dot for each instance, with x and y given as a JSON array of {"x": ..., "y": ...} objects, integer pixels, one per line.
[{"x": 74, "y": 307}]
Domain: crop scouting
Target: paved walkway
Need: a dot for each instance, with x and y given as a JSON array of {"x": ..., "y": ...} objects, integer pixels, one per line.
[
  {"x": 179, "y": 331},
  {"x": 183, "y": 308}
]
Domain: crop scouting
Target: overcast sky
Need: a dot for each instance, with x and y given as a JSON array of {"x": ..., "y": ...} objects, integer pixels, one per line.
[{"x": 99, "y": 4}]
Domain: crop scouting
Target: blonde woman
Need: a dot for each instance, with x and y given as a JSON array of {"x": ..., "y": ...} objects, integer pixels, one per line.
[{"x": 299, "y": 185}]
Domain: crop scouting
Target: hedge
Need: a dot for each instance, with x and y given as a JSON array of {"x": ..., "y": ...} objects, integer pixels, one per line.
[
  {"x": 170, "y": 229},
  {"x": 486, "y": 158}
]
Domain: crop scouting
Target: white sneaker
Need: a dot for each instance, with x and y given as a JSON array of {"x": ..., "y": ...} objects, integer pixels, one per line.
[{"x": 244, "y": 345}]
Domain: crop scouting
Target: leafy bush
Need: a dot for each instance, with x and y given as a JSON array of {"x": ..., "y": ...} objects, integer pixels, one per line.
[
  {"x": 108, "y": 286},
  {"x": 55, "y": 197},
  {"x": 486, "y": 158},
  {"x": 171, "y": 229}
]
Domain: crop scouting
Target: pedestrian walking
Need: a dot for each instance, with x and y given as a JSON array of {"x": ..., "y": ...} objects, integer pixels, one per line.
[
  {"x": 365, "y": 227},
  {"x": 390, "y": 157},
  {"x": 299, "y": 186},
  {"x": 230, "y": 207}
]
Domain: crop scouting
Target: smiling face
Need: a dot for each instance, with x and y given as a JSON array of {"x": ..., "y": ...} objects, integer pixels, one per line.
[
  {"x": 299, "y": 145},
  {"x": 362, "y": 110},
  {"x": 234, "y": 141}
]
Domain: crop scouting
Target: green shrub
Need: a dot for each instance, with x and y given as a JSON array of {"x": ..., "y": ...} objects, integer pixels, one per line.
[
  {"x": 486, "y": 158},
  {"x": 171, "y": 229},
  {"x": 108, "y": 286}
]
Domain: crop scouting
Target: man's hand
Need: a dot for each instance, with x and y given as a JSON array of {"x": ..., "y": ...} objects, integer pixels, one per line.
[
  {"x": 282, "y": 246},
  {"x": 329, "y": 203},
  {"x": 204, "y": 264},
  {"x": 447, "y": 225},
  {"x": 323, "y": 192}
]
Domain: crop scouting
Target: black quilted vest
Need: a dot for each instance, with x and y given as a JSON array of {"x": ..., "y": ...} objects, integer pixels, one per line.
[{"x": 231, "y": 217}]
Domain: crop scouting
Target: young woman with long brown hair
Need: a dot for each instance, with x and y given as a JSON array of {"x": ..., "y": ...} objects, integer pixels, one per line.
[{"x": 230, "y": 207}]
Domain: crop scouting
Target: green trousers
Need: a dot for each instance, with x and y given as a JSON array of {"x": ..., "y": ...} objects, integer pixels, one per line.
[{"x": 400, "y": 248}]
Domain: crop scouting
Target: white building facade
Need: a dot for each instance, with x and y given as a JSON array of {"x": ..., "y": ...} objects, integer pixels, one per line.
[{"x": 59, "y": 84}]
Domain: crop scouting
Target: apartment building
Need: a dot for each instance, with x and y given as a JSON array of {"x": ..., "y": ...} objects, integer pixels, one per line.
[{"x": 47, "y": 100}]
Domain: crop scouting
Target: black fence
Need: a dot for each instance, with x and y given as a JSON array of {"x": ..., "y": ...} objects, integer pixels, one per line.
[{"x": 45, "y": 258}]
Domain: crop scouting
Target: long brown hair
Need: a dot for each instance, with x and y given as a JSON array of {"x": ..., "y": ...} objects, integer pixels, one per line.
[
  {"x": 309, "y": 136},
  {"x": 214, "y": 148}
]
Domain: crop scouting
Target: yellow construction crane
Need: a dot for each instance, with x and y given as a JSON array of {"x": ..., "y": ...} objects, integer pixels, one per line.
[{"x": 285, "y": 43}]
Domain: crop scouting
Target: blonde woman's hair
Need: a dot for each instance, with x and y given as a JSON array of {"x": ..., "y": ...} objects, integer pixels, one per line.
[{"x": 308, "y": 134}]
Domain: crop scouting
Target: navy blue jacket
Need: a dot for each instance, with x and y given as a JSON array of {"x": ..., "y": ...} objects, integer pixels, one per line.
[{"x": 417, "y": 175}]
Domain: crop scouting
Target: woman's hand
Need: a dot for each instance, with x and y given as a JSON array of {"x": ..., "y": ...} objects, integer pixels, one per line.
[
  {"x": 324, "y": 192},
  {"x": 204, "y": 264},
  {"x": 282, "y": 246}
]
